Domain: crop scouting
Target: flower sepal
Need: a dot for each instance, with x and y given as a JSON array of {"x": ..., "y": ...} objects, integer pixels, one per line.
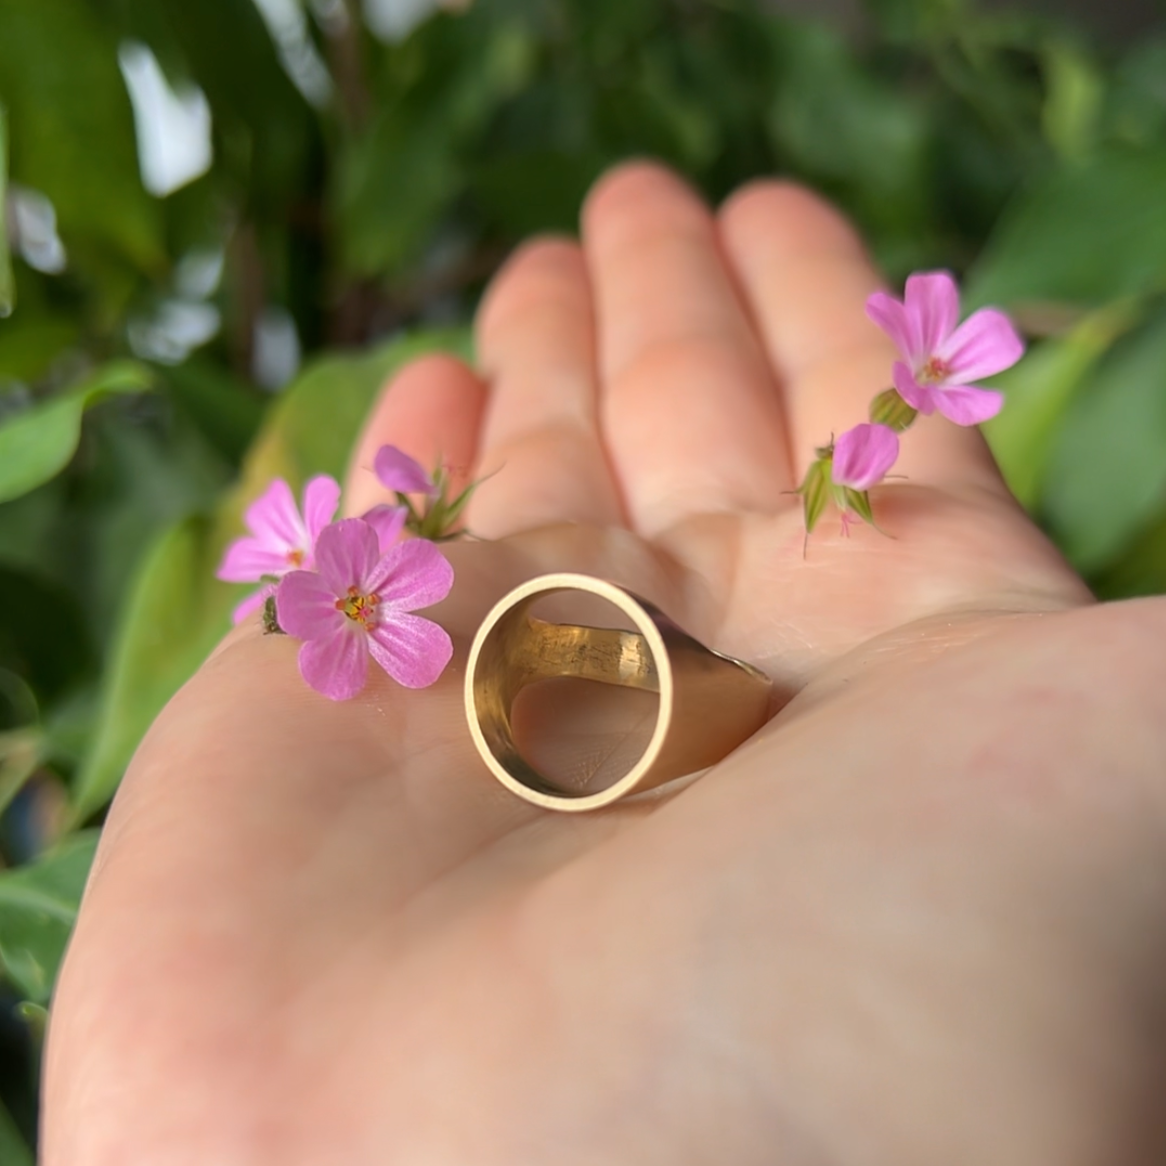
[
  {"x": 271, "y": 618},
  {"x": 889, "y": 409},
  {"x": 815, "y": 489},
  {"x": 435, "y": 517},
  {"x": 850, "y": 501},
  {"x": 441, "y": 516}
]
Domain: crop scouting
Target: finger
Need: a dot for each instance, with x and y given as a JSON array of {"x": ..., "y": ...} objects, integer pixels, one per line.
[
  {"x": 807, "y": 277},
  {"x": 432, "y": 409},
  {"x": 541, "y": 457},
  {"x": 691, "y": 416}
]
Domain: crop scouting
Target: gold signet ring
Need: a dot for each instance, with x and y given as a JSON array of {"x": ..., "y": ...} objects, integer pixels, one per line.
[{"x": 708, "y": 703}]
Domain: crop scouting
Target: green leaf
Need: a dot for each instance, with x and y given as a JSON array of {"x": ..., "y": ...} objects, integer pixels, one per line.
[
  {"x": 1136, "y": 109},
  {"x": 37, "y": 445},
  {"x": 7, "y": 286},
  {"x": 38, "y": 907},
  {"x": 36, "y": 1016},
  {"x": 175, "y": 614},
  {"x": 534, "y": 190},
  {"x": 177, "y": 611},
  {"x": 1075, "y": 93},
  {"x": 1038, "y": 391},
  {"x": 395, "y": 184},
  {"x": 72, "y": 127},
  {"x": 1139, "y": 571},
  {"x": 840, "y": 125},
  {"x": 43, "y": 637},
  {"x": 400, "y": 178},
  {"x": 226, "y": 409},
  {"x": 30, "y": 343},
  {"x": 14, "y": 1150},
  {"x": 312, "y": 427},
  {"x": 1085, "y": 235},
  {"x": 264, "y": 130},
  {"x": 20, "y": 753},
  {"x": 141, "y": 479},
  {"x": 1107, "y": 474}
]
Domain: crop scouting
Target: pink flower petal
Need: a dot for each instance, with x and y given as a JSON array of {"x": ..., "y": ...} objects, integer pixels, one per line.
[
  {"x": 413, "y": 574},
  {"x": 890, "y": 315},
  {"x": 337, "y": 666},
  {"x": 247, "y": 560},
  {"x": 253, "y": 603},
  {"x": 984, "y": 344},
  {"x": 346, "y": 554},
  {"x": 388, "y": 522},
  {"x": 412, "y": 650},
  {"x": 274, "y": 519},
  {"x": 306, "y": 606},
  {"x": 921, "y": 397},
  {"x": 321, "y": 498},
  {"x": 932, "y": 303},
  {"x": 968, "y": 404},
  {"x": 398, "y": 471},
  {"x": 863, "y": 455}
]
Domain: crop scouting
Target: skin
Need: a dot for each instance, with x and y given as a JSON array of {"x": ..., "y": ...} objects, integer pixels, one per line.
[{"x": 919, "y": 918}]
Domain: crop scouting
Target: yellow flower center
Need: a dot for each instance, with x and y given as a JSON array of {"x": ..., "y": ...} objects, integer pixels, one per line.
[
  {"x": 296, "y": 558},
  {"x": 360, "y": 608}
]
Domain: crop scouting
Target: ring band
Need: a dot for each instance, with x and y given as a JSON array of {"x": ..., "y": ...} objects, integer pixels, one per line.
[{"x": 709, "y": 703}]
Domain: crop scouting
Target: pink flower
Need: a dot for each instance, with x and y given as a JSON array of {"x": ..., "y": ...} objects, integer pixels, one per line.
[
  {"x": 358, "y": 605},
  {"x": 398, "y": 472},
  {"x": 863, "y": 455},
  {"x": 941, "y": 359},
  {"x": 281, "y": 540}
]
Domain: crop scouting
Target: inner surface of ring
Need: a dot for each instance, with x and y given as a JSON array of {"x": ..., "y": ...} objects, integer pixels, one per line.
[
  {"x": 607, "y": 655},
  {"x": 535, "y": 674}
]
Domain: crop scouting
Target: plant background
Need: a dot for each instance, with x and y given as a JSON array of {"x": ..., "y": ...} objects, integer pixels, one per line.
[{"x": 172, "y": 338}]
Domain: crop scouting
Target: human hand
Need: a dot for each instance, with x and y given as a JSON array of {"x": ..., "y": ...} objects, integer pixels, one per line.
[{"x": 919, "y": 918}]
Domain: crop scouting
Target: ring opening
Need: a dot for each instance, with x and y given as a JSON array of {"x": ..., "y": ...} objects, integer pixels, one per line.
[{"x": 567, "y": 693}]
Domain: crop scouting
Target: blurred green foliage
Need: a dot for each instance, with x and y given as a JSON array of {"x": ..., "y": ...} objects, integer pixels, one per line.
[{"x": 356, "y": 187}]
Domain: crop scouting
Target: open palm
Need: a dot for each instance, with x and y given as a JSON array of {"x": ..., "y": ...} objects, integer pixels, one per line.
[{"x": 917, "y": 919}]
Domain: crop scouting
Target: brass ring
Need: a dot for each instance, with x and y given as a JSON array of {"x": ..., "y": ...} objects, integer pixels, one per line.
[{"x": 709, "y": 703}]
